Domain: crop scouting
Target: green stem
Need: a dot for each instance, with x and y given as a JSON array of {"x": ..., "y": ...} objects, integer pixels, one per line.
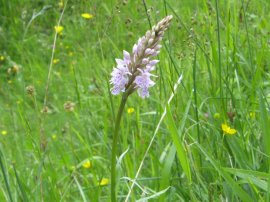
[{"x": 114, "y": 146}]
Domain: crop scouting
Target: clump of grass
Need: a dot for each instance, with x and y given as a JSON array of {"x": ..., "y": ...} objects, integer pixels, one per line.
[{"x": 222, "y": 48}]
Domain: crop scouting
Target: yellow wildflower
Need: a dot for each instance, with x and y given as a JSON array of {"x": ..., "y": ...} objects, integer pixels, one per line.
[
  {"x": 104, "y": 181},
  {"x": 58, "y": 29},
  {"x": 216, "y": 115},
  {"x": 9, "y": 81},
  {"x": 54, "y": 137},
  {"x": 130, "y": 110},
  {"x": 227, "y": 129},
  {"x": 55, "y": 61},
  {"x": 87, "y": 16},
  {"x": 61, "y": 4},
  {"x": 252, "y": 115},
  {"x": 15, "y": 69},
  {"x": 2, "y": 58},
  {"x": 4, "y": 132},
  {"x": 87, "y": 164},
  {"x": 70, "y": 53}
]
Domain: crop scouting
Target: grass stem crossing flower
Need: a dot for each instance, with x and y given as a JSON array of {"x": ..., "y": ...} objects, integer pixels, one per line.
[{"x": 58, "y": 29}]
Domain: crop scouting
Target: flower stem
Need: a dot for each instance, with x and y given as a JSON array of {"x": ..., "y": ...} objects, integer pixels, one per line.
[{"x": 114, "y": 146}]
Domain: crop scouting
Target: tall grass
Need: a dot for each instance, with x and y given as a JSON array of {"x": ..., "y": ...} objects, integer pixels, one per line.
[{"x": 222, "y": 49}]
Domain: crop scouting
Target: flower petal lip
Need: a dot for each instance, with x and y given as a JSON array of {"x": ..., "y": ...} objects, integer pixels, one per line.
[
  {"x": 153, "y": 62},
  {"x": 143, "y": 92},
  {"x": 126, "y": 56}
]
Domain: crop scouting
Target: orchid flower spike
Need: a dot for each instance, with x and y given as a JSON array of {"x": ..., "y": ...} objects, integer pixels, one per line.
[{"x": 133, "y": 71}]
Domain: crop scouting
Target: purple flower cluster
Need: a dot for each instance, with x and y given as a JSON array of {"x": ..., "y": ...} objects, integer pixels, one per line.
[
  {"x": 120, "y": 74},
  {"x": 133, "y": 72}
]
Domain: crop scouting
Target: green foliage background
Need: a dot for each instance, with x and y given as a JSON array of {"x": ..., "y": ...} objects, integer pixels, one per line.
[{"x": 222, "y": 48}]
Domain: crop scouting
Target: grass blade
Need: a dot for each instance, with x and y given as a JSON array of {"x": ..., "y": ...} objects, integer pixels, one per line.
[
  {"x": 24, "y": 195},
  {"x": 80, "y": 189},
  {"x": 153, "y": 196},
  {"x": 237, "y": 189},
  {"x": 180, "y": 149},
  {"x": 265, "y": 133},
  {"x": 5, "y": 177},
  {"x": 250, "y": 176}
]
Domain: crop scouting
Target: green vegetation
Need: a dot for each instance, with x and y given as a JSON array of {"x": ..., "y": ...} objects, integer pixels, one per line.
[{"x": 57, "y": 114}]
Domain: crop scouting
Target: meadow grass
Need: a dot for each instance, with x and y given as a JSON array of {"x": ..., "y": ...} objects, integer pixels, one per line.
[{"x": 51, "y": 150}]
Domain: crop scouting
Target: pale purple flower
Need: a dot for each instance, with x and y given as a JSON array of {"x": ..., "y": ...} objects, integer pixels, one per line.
[
  {"x": 119, "y": 80},
  {"x": 133, "y": 71},
  {"x": 151, "y": 65},
  {"x": 120, "y": 74},
  {"x": 143, "y": 82},
  {"x": 143, "y": 92},
  {"x": 126, "y": 57}
]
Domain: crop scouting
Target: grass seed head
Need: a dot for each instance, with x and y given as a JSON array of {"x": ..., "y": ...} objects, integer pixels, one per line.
[
  {"x": 69, "y": 106},
  {"x": 30, "y": 90}
]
